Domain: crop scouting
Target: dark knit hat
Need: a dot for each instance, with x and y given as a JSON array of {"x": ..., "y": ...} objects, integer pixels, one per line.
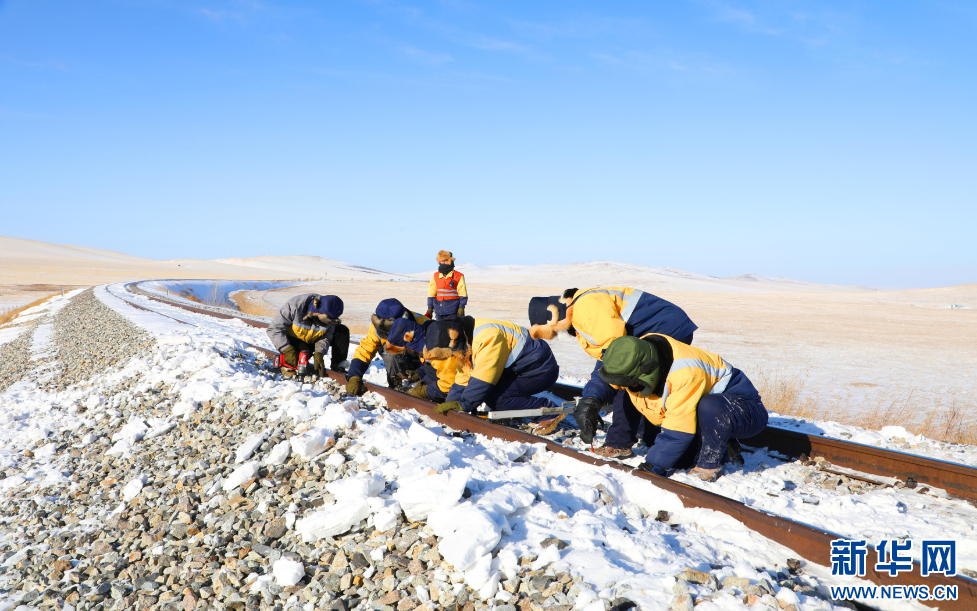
[
  {"x": 407, "y": 333},
  {"x": 540, "y": 312},
  {"x": 330, "y": 305},
  {"x": 390, "y": 308}
]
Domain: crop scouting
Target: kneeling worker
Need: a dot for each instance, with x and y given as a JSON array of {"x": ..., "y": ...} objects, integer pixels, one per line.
[
  {"x": 447, "y": 294},
  {"x": 397, "y": 366},
  {"x": 596, "y": 317},
  {"x": 310, "y": 323},
  {"x": 502, "y": 366},
  {"x": 696, "y": 401},
  {"x": 438, "y": 376}
]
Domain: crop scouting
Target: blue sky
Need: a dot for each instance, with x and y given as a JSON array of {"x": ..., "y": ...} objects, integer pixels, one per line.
[{"x": 825, "y": 141}]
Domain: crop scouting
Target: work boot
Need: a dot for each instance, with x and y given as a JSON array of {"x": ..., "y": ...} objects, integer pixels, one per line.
[
  {"x": 706, "y": 475},
  {"x": 734, "y": 452},
  {"x": 609, "y": 452}
]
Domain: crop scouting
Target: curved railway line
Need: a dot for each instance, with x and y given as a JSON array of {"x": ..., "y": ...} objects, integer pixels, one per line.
[{"x": 811, "y": 543}]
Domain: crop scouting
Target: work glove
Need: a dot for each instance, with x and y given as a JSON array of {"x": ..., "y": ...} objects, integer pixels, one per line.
[
  {"x": 461, "y": 311},
  {"x": 430, "y": 313},
  {"x": 449, "y": 406},
  {"x": 587, "y": 416},
  {"x": 320, "y": 367},
  {"x": 419, "y": 391},
  {"x": 355, "y": 386},
  {"x": 290, "y": 355}
]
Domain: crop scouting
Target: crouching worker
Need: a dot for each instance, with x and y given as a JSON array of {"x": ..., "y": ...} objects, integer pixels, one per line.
[
  {"x": 438, "y": 376},
  {"x": 502, "y": 366},
  {"x": 596, "y": 317},
  {"x": 310, "y": 323},
  {"x": 696, "y": 401},
  {"x": 398, "y": 366}
]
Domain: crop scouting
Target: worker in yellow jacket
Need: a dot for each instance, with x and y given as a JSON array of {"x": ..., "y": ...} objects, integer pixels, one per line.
[
  {"x": 438, "y": 376},
  {"x": 693, "y": 400},
  {"x": 398, "y": 366},
  {"x": 502, "y": 366},
  {"x": 596, "y": 317}
]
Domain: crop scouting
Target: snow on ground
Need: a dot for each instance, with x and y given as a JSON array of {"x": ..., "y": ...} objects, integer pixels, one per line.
[
  {"x": 491, "y": 504},
  {"x": 16, "y": 327}
]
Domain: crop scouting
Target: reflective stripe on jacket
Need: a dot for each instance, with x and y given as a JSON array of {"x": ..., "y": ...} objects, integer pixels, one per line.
[
  {"x": 290, "y": 322},
  {"x": 600, "y": 316},
  {"x": 370, "y": 345},
  {"x": 694, "y": 373},
  {"x": 496, "y": 346},
  {"x": 447, "y": 288}
]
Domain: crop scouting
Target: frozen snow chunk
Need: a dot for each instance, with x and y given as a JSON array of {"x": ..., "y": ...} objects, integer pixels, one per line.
[
  {"x": 422, "y": 466},
  {"x": 198, "y": 391},
  {"x": 132, "y": 489},
  {"x": 134, "y": 430},
  {"x": 336, "y": 459},
  {"x": 296, "y": 410},
  {"x": 159, "y": 426},
  {"x": 288, "y": 572},
  {"x": 318, "y": 405},
  {"x": 184, "y": 408},
  {"x": 335, "y": 418},
  {"x": 46, "y": 451},
  {"x": 88, "y": 440},
  {"x": 506, "y": 498},
  {"x": 420, "y": 496},
  {"x": 387, "y": 517},
  {"x": 467, "y": 533},
  {"x": 311, "y": 443},
  {"x": 120, "y": 447},
  {"x": 361, "y": 486},
  {"x": 279, "y": 453},
  {"x": 333, "y": 519},
  {"x": 250, "y": 444},
  {"x": 240, "y": 475},
  {"x": 92, "y": 402}
]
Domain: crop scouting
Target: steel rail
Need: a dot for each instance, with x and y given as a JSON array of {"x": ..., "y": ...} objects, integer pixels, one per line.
[
  {"x": 810, "y": 543},
  {"x": 958, "y": 480}
]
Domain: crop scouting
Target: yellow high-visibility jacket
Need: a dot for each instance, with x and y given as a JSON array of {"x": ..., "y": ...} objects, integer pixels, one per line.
[
  {"x": 496, "y": 344},
  {"x": 694, "y": 373},
  {"x": 371, "y": 345},
  {"x": 599, "y": 316},
  {"x": 447, "y": 370}
]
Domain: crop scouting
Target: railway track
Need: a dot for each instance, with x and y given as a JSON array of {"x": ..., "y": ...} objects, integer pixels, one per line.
[{"x": 812, "y": 544}]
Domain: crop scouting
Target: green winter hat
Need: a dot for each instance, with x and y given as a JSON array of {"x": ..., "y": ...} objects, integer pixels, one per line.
[{"x": 632, "y": 363}]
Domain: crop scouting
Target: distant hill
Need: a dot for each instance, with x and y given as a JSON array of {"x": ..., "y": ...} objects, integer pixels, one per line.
[
  {"x": 302, "y": 266},
  {"x": 610, "y": 273}
]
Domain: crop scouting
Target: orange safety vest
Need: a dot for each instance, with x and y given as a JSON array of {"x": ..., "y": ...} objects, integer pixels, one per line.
[{"x": 447, "y": 286}]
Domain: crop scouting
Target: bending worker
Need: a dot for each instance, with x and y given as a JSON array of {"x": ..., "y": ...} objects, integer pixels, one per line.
[
  {"x": 310, "y": 323},
  {"x": 695, "y": 401},
  {"x": 447, "y": 294},
  {"x": 398, "y": 366},
  {"x": 502, "y": 367},
  {"x": 597, "y": 317},
  {"x": 437, "y": 376}
]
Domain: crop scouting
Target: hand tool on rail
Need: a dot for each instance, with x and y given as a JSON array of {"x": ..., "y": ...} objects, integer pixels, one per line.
[{"x": 811, "y": 543}]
